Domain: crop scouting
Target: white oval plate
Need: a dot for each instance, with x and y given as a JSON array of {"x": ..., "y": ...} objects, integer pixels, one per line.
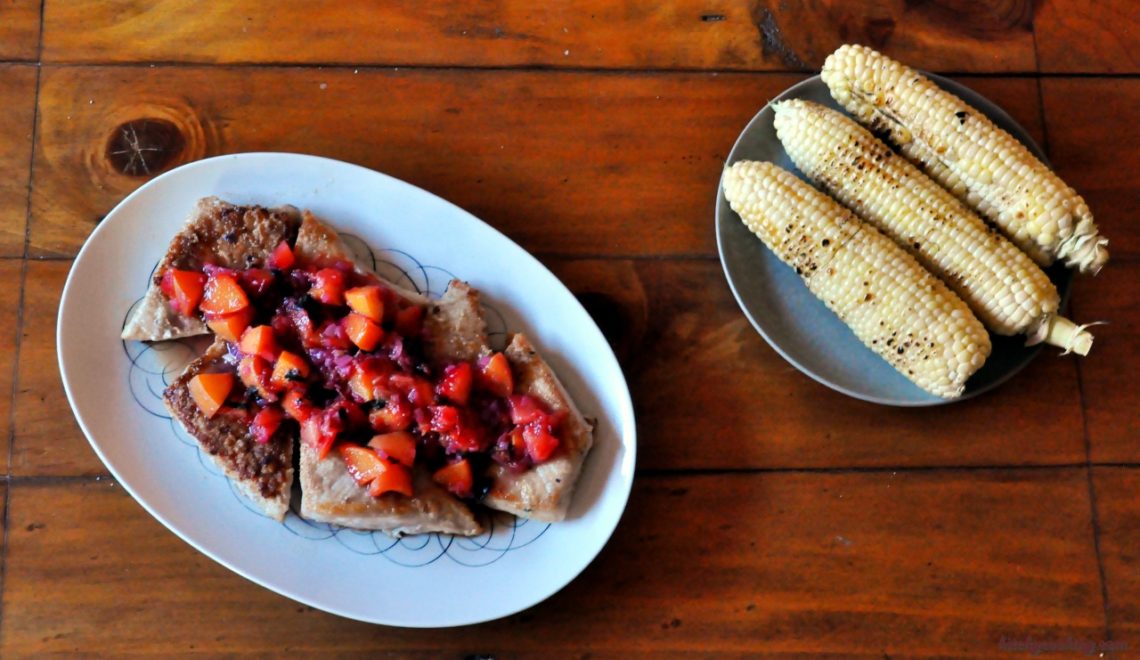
[
  {"x": 798, "y": 325},
  {"x": 423, "y": 581}
]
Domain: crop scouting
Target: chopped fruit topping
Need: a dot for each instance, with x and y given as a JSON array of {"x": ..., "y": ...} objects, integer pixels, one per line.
[
  {"x": 524, "y": 409},
  {"x": 316, "y": 433},
  {"x": 418, "y": 391},
  {"x": 348, "y": 415},
  {"x": 363, "y": 464},
  {"x": 540, "y": 442},
  {"x": 296, "y": 405},
  {"x": 399, "y": 447},
  {"x": 362, "y": 331},
  {"x": 457, "y": 431},
  {"x": 224, "y": 295},
  {"x": 455, "y": 384},
  {"x": 256, "y": 281},
  {"x": 432, "y": 418},
  {"x": 328, "y": 286},
  {"x": 282, "y": 257},
  {"x": 209, "y": 391},
  {"x": 495, "y": 375},
  {"x": 261, "y": 341},
  {"x": 291, "y": 320},
  {"x": 396, "y": 415},
  {"x": 410, "y": 321},
  {"x": 290, "y": 368},
  {"x": 255, "y": 373},
  {"x": 265, "y": 423},
  {"x": 333, "y": 336},
  {"x": 517, "y": 442},
  {"x": 395, "y": 479},
  {"x": 456, "y": 477},
  {"x": 230, "y": 326},
  {"x": 369, "y": 379},
  {"x": 368, "y": 301},
  {"x": 184, "y": 289}
]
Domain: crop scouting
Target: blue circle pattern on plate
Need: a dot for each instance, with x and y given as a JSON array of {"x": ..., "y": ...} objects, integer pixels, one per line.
[{"x": 154, "y": 366}]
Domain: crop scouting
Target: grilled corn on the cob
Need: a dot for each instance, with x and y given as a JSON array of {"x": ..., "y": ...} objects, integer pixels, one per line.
[
  {"x": 895, "y": 307},
  {"x": 1008, "y": 292},
  {"x": 965, "y": 152}
]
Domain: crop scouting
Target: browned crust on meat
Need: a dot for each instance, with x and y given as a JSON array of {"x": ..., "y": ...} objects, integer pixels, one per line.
[
  {"x": 454, "y": 328},
  {"x": 543, "y": 492},
  {"x": 331, "y": 495},
  {"x": 217, "y": 232},
  {"x": 263, "y": 472}
]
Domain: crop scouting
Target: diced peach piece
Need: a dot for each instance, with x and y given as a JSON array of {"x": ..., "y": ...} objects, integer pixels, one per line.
[
  {"x": 456, "y": 477},
  {"x": 328, "y": 286},
  {"x": 184, "y": 289},
  {"x": 363, "y": 464},
  {"x": 209, "y": 391},
  {"x": 524, "y": 409},
  {"x": 265, "y": 423},
  {"x": 296, "y": 405},
  {"x": 399, "y": 446},
  {"x": 316, "y": 434},
  {"x": 396, "y": 415},
  {"x": 540, "y": 443},
  {"x": 368, "y": 301},
  {"x": 368, "y": 380},
  {"x": 418, "y": 391},
  {"x": 395, "y": 479},
  {"x": 362, "y": 331},
  {"x": 260, "y": 340},
  {"x": 255, "y": 372},
  {"x": 231, "y": 326},
  {"x": 289, "y": 369},
  {"x": 282, "y": 257},
  {"x": 455, "y": 384},
  {"x": 224, "y": 295},
  {"x": 494, "y": 375}
]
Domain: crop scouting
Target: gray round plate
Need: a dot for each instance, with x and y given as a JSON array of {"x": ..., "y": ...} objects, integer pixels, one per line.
[{"x": 798, "y": 325}]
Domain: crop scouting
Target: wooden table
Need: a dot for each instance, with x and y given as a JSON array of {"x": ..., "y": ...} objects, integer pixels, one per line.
[{"x": 769, "y": 513}]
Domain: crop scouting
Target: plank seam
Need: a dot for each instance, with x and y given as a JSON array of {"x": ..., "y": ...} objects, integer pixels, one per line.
[
  {"x": 22, "y": 298},
  {"x": 1094, "y": 514}
]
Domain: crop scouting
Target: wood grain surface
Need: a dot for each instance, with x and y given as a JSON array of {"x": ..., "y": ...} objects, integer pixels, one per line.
[
  {"x": 10, "y": 274},
  {"x": 1074, "y": 36},
  {"x": 1118, "y": 503},
  {"x": 44, "y": 442},
  {"x": 769, "y": 515},
  {"x": 1094, "y": 141},
  {"x": 943, "y": 563},
  {"x": 19, "y": 29},
  {"x": 563, "y": 162},
  {"x": 723, "y": 34},
  {"x": 1112, "y": 404},
  {"x": 17, "y": 98},
  {"x": 703, "y": 381}
]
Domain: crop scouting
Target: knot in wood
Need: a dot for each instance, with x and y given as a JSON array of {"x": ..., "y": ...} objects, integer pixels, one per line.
[{"x": 142, "y": 147}]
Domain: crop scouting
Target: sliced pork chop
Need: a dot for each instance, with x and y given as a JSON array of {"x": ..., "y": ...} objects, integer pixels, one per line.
[
  {"x": 544, "y": 491},
  {"x": 453, "y": 330},
  {"x": 262, "y": 472},
  {"x": 217, "y": 232}
]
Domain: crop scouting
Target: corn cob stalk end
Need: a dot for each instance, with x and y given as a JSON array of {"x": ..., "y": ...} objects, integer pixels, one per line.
[{"x": 1060, "y": 331}]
